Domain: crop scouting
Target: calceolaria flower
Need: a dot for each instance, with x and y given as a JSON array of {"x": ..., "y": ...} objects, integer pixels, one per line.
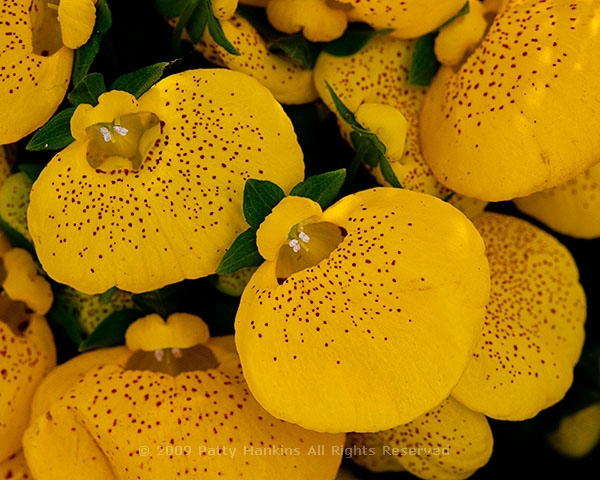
[
  {"x": 577, "y": 434},
  {"x": 36, "y": 58},
  {"x": 363, "y": 316},
  {"x": 448, "y": 442},
  {"x": 509, "y": 121},
  {"x": 150, "y": 191},
  {"x": 171, "y": 403},
  {"x": 27, "y": 350},
  {"x": 374, "y": 84}
]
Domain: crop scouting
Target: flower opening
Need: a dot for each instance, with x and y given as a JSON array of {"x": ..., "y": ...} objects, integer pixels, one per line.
[{"x": 45, "y": 28}]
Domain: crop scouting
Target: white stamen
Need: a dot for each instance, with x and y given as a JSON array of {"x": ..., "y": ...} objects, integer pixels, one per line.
[
  {"x": 295, "y": 244},
  {"x": 159, "y": 354},
  {"x": 106, "y": 134},
  {"x": 176, "y": 352},
  {"x": 304, "y": 237},
  {"x": 120, "y": 130}
]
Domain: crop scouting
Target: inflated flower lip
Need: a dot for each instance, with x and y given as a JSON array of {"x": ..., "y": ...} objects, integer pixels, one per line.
[
  {"x": 449, "y": 442},
  {"x": 164, "y": 206},
  {"x": 27, "y": 350},
  {"x": 379, "y": 304},
  {"x": 96, "y": 404},
  {"x": 409, "y": 18},
  {"x": 522, "y": 75},
  {"x": 524, "y": 359},
  {"x": 374, "y": 85},
  {"x": 289, "y": 82},
  {"x": 572, "y": 208},
  {"x": 36, "y": 59}
]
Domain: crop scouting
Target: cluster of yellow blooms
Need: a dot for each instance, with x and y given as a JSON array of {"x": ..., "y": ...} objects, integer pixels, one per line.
[{"x": 386, "y": 327}]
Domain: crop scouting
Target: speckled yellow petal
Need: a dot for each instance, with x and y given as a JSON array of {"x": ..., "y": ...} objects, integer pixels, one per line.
[
  {"x": 287, "y": 80},
  {"x": 27, "y": 354},
  {"x": 23, "y": 281},
  {"x": 15, "y": 468},
  {"x": 572, "y": 208},
  {"x": 176, "y": 215},
  {"x": 534, "y": 326},
  {"x": 388, "y": 123},
  {"x": 450, "y": 442},
  {"x": 343, "y": 345},
  {"x": 180, "y": 330},
  {"x": 77, "y": 19},
  {"x": 141, "y": 424},
  {"x": 409, "y": 18},
  {"x": 378, "y": 74},
  {"x": 35, "y": 68},
  {"x": 14, "y": 200},
  {"x": 318, "y": 20},
  {"x": 224, "y": 9},
  {"x": 578, "y": 433},
  {"x": 509, "y": 122},
  {"x": 6, "y": 161}
]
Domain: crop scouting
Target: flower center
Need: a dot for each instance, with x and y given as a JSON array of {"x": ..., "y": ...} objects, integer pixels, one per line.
[
  {"x": 123, "y": 143},
  {"x": 308, "y": 244},
  {"x": 173, "y": 361},
  {"x": 45, "y": 27}
]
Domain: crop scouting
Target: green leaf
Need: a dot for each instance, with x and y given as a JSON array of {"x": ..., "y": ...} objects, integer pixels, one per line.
[
  {"x": 139, "y": 81},
  {"x": 107, "y": 296},
  {"x": 198, "y": 22},
  {"x": 242, "y": 253},
  {"x": 32, "y": 170},
  {"x": 111, "y": 330},
  {"x": 298, "y": 48},
  {"x": 183, "y": 18},
  {"x": 88, "y": 90},
  {"x": 216, "y": 32},
  {"x": 170, "y": 8},
  {"x": 322, "y": 188},
  {"x": 424, "y": 64},
  {"x": 163, "y": 301},
  {"x": 354, "y": 39},
  {"x": 260, "y": 197},
  {"x": 62, "y": 318},
  {"x": 85, "y": 55},
  {"x": 342, "y": 109},
  {"x": 55, "y": 135}
]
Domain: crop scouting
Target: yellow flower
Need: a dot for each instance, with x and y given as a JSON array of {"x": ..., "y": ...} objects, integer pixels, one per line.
[
  {"x": 27, "y": 350},
  {"x": 449, "y": 442},
  {"x": 150, "y": 191},
  {"x": 577, "y": 434},
  {"x": 572, "y": 208},
  {"x": 363, "y": 316},
  {"x": 534, "y": 325},
  {"x": 15, "y": 467},
  {"x": 36, "y": 59},
  {"x": 374, "y": 84},
  {"x": 519, "y": 115},
  {"x": 287, "y": 79},
  {"x": 173, "y": 402}
]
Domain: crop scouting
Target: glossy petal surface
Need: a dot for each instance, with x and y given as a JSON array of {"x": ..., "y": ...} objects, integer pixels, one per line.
[
  {"x": 379, "y": 331},
  {"x": 534, "y": 326}
]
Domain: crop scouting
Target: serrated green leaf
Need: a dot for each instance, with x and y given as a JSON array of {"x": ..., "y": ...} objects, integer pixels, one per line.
[
  {"x": 354, "y": 39},
  {"x": 55, "y": 135},
  {"x": 242, "y": 253},
  {"x": 139, "y": 81},
  {"x": 216, "y": 32},
  {"x": 424, "y": 64},
  {"x": 85, "y": 55},
  {"x": 322, "y": 188},
  {"x": 88, "y": 90},
  {"x": 260, "y": 197},
  {"x": 298, "y": 48},
  {"x": 111, "y": 330}
]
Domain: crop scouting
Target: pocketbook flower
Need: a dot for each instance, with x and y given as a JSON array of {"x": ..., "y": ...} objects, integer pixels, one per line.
[
  {"x": 150, "y": 191},
  {"x": 171, "y": 403},
  {"x": 363, "y": 316}
]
